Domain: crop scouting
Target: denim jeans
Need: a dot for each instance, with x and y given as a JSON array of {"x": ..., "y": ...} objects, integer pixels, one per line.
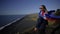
[{"x": 41, "y": 25}]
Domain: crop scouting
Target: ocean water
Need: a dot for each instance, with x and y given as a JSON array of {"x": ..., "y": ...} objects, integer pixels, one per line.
[{"x": 6, "y": 19}]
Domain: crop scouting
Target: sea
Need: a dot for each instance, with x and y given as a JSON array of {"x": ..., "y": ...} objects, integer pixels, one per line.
[{"x": 6, "y": 20}]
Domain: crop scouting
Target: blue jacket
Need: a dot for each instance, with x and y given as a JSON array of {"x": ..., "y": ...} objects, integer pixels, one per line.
[{"x": 40, "y": 21}]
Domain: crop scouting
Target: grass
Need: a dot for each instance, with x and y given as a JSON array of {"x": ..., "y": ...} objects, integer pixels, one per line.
[{"x": 32, "y": 18}]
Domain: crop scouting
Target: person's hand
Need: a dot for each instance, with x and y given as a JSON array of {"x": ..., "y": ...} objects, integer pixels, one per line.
[{"x": 35, "y": 29}]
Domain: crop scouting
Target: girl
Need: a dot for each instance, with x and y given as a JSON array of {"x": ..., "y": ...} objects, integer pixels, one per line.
[{"x": 42, "y": 21}]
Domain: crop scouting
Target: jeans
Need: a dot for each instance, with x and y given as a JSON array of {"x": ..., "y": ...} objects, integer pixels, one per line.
[{"x": 41, "y": 25}]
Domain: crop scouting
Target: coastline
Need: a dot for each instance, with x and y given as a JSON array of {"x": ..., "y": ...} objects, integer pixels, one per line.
[{"x": 11, "y": 22}]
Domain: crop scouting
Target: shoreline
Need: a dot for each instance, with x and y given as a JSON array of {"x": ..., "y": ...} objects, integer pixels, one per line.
[{"x": 12, "y": 22}]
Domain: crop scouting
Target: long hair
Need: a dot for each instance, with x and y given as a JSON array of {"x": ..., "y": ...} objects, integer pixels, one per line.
[{"x": 44, "y": 7}]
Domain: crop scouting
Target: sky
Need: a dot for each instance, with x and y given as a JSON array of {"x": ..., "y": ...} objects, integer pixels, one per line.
[{"x": 22, "y": 7}]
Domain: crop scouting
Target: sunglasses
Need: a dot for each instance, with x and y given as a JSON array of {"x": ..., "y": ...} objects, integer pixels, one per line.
[{"x": 40, "y": 8}]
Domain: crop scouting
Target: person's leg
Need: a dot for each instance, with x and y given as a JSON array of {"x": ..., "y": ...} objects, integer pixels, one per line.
[
  {"x": 43, "y": 26},
  {"x": 39, "y": 22}
]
